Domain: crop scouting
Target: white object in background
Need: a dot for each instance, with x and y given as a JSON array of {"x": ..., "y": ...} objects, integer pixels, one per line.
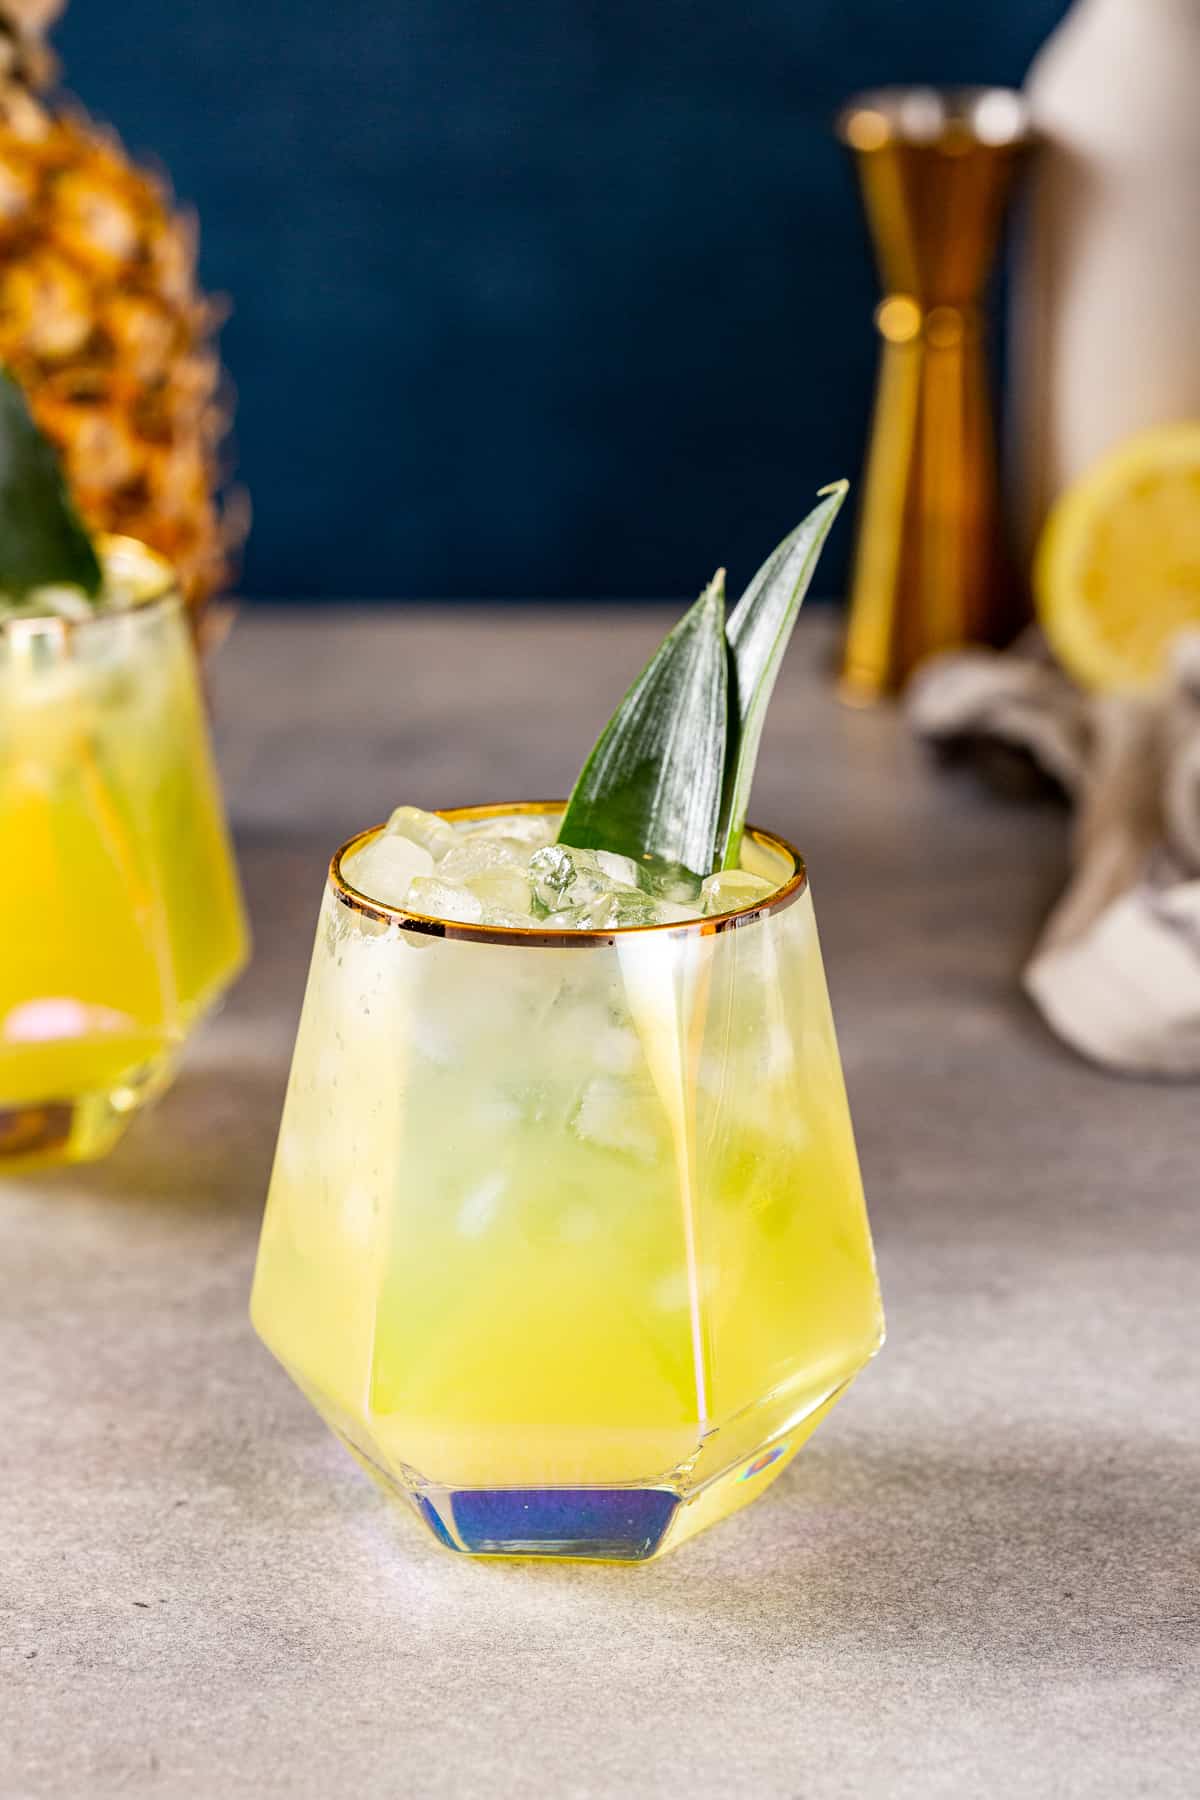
[
  {"x": 1116, "y": 972},
  {"x": 1106, "y": 296}
]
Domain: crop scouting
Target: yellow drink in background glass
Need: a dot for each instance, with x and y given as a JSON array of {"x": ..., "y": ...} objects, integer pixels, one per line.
[
  {"x": 120, "y": 914},
  {"x": 566, "y": 1237}
]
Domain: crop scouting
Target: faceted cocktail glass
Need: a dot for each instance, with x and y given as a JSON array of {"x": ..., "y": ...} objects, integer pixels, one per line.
[
  {"x": 565, "y": 1237},
  {"x": 120, "y": 915}
]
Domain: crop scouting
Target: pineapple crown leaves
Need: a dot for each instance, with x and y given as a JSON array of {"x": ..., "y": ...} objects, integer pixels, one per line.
[
  {"x": 43, "y": 541},
  {"x": 669, "y": 778}
]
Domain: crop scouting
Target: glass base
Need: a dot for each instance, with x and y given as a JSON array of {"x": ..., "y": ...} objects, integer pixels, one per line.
[
  {"x": 39, "y": 1134},
  {"x": 597, "y": 1524},
  {"x": 621, "y": 1524}
]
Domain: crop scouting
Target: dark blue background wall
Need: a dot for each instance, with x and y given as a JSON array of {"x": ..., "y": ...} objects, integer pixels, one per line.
[{"x": 543, "y": 297}]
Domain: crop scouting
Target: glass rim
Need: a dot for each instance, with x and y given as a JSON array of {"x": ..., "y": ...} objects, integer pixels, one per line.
[
  {"x": 161, "y": 584},
  {"x": 533, "y": 937}
]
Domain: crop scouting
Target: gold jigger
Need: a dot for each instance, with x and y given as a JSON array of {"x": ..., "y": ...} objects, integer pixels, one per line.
[{"x": 936, "y": 169}]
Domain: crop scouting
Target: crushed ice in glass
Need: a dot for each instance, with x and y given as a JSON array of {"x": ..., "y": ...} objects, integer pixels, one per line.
[{"x": 508, "y": 872}]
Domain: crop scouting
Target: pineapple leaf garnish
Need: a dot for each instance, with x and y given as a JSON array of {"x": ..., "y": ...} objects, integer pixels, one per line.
[
  {"x": 43, "y": 541},
  {"x": 669, "y": 778},
  {"x": 651, "y": 787},
  {"x": 759, "y": 630}
]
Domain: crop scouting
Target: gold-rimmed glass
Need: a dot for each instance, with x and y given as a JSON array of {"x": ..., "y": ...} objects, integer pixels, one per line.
[
  {"x": 565, "y": 1236},
  {"x": 120, "y": 914}
]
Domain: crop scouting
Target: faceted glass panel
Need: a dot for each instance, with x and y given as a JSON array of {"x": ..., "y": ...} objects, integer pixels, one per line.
[{"x": 565, "y": 1237}]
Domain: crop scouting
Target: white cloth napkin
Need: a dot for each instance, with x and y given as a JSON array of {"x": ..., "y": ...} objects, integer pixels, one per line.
[{"x": 1116, "y": 972}]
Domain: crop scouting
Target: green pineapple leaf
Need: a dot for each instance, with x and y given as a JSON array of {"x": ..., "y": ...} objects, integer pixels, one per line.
[
  {"x": 651, "y": 787},
  {"x": 43, "y": 541},
  {"x": 759, "y": 630}
]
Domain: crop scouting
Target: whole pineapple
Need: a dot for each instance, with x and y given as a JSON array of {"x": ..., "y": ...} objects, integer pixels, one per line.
[{"x": 102, "y": 323}]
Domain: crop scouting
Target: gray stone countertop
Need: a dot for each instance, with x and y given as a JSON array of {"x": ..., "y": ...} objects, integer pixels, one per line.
[{"x": 981, "y": 1577}]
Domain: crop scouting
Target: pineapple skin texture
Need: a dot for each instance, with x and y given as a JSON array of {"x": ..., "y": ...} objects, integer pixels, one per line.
[{"x": 102, "y": 323}]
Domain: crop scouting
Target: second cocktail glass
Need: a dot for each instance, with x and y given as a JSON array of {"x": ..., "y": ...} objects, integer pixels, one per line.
[{"x": 120, "y": 914}]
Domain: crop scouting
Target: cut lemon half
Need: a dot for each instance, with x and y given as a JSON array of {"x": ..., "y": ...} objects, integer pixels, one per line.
[{"x": 1117, "y": 571}]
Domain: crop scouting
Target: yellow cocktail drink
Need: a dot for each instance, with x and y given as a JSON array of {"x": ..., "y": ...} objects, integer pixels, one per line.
[
  {"x": 120, "y": 915},
  {"x": 565, "y": 1236}
]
